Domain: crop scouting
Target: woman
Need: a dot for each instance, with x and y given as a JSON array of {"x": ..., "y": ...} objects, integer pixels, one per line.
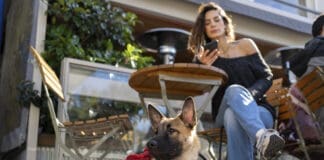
[{"x": 239, "y": 106}]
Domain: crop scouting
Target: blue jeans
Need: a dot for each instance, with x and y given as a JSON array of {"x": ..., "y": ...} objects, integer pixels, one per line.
[{"x": 242, "y": 118}]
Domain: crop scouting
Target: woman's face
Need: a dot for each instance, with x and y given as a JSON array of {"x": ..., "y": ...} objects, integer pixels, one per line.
[{"x": 214, "y": 25}]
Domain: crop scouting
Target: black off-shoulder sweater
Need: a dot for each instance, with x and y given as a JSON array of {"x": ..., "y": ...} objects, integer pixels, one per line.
[{"x": 249, "y": 71}]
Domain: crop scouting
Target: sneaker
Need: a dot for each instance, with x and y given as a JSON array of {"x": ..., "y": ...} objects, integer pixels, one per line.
[{"x": 269, "y": 143}]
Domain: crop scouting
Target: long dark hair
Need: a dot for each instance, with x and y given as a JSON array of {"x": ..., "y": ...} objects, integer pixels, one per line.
[{"x": 198, "y": 36}]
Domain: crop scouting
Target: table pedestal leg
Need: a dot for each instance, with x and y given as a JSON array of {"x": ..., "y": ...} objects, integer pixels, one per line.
[
  {"x": 163, "y": 78},
  {"x": 165, "y": 98},
  {"x": 145, "y": 114}
]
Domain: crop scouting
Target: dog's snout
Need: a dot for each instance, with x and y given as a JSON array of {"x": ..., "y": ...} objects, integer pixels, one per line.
[{"x": 152, "y": 144}]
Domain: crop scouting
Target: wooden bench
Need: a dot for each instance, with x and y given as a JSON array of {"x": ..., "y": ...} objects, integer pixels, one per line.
[
  {"x": 95, "y": 128},
  {"x": 88, "y": 132}
]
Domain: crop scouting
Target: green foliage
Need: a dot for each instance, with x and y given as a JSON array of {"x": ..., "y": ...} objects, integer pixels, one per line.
[{"x": 92, "y": 30}]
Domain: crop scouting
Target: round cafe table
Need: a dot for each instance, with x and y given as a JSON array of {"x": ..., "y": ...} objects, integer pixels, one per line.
[{"x": 177, "y": 81}]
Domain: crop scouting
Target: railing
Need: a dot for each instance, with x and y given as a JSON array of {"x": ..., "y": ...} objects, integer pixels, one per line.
[
  {"x": 48, "y": 153},
  {"x": 300, "y": 7},
  {"x": 287, "y": 6}
]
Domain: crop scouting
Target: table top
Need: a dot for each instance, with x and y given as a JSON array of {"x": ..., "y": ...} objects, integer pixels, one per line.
[{"x": 146, "y": 80}]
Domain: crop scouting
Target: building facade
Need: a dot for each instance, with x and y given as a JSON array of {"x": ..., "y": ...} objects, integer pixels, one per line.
[{"x": 271, "y": 23}]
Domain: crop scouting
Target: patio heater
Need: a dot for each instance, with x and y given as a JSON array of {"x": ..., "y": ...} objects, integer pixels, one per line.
[
  {"x": 165, "y": 42},
  {"x": 278, "y": 60}
]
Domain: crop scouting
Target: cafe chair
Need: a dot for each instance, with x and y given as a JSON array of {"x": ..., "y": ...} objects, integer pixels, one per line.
[
  {"x": 214, "y": 135},
  {"x": 279, "y": 98},
  {"x": 312, "y": 88},
  {"x": 95, "y": 132}
]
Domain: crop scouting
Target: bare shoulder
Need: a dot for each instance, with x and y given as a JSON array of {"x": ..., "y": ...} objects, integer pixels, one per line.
[{"x": 247, "y": 46}]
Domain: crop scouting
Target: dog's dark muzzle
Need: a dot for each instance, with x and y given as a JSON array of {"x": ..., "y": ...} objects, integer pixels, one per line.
[
  {"x": 164, "y": 148},
  {"x": 152, "y": 144}
]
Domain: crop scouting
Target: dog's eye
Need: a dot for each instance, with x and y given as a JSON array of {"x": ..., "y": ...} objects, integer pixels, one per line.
[{"x": 170, "y": 130}]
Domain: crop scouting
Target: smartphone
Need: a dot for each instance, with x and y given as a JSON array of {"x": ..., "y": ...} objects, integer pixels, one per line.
[{"x": 211, "y": 45}]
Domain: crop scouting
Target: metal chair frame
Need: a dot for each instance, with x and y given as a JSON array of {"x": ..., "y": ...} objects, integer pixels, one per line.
[{"x": 51, "y": 81}]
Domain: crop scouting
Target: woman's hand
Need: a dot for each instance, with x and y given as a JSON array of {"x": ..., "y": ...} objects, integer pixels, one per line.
[{"x": 207, "y": 57}]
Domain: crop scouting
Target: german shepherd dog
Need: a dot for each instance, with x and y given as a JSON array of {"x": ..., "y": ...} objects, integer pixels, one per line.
[{"x": 175, "y": 138}]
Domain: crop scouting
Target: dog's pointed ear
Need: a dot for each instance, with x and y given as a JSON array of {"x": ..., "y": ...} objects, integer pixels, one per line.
[
  {"x": 155, "y": 116},
  {"x": 188, "y": 115}
]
